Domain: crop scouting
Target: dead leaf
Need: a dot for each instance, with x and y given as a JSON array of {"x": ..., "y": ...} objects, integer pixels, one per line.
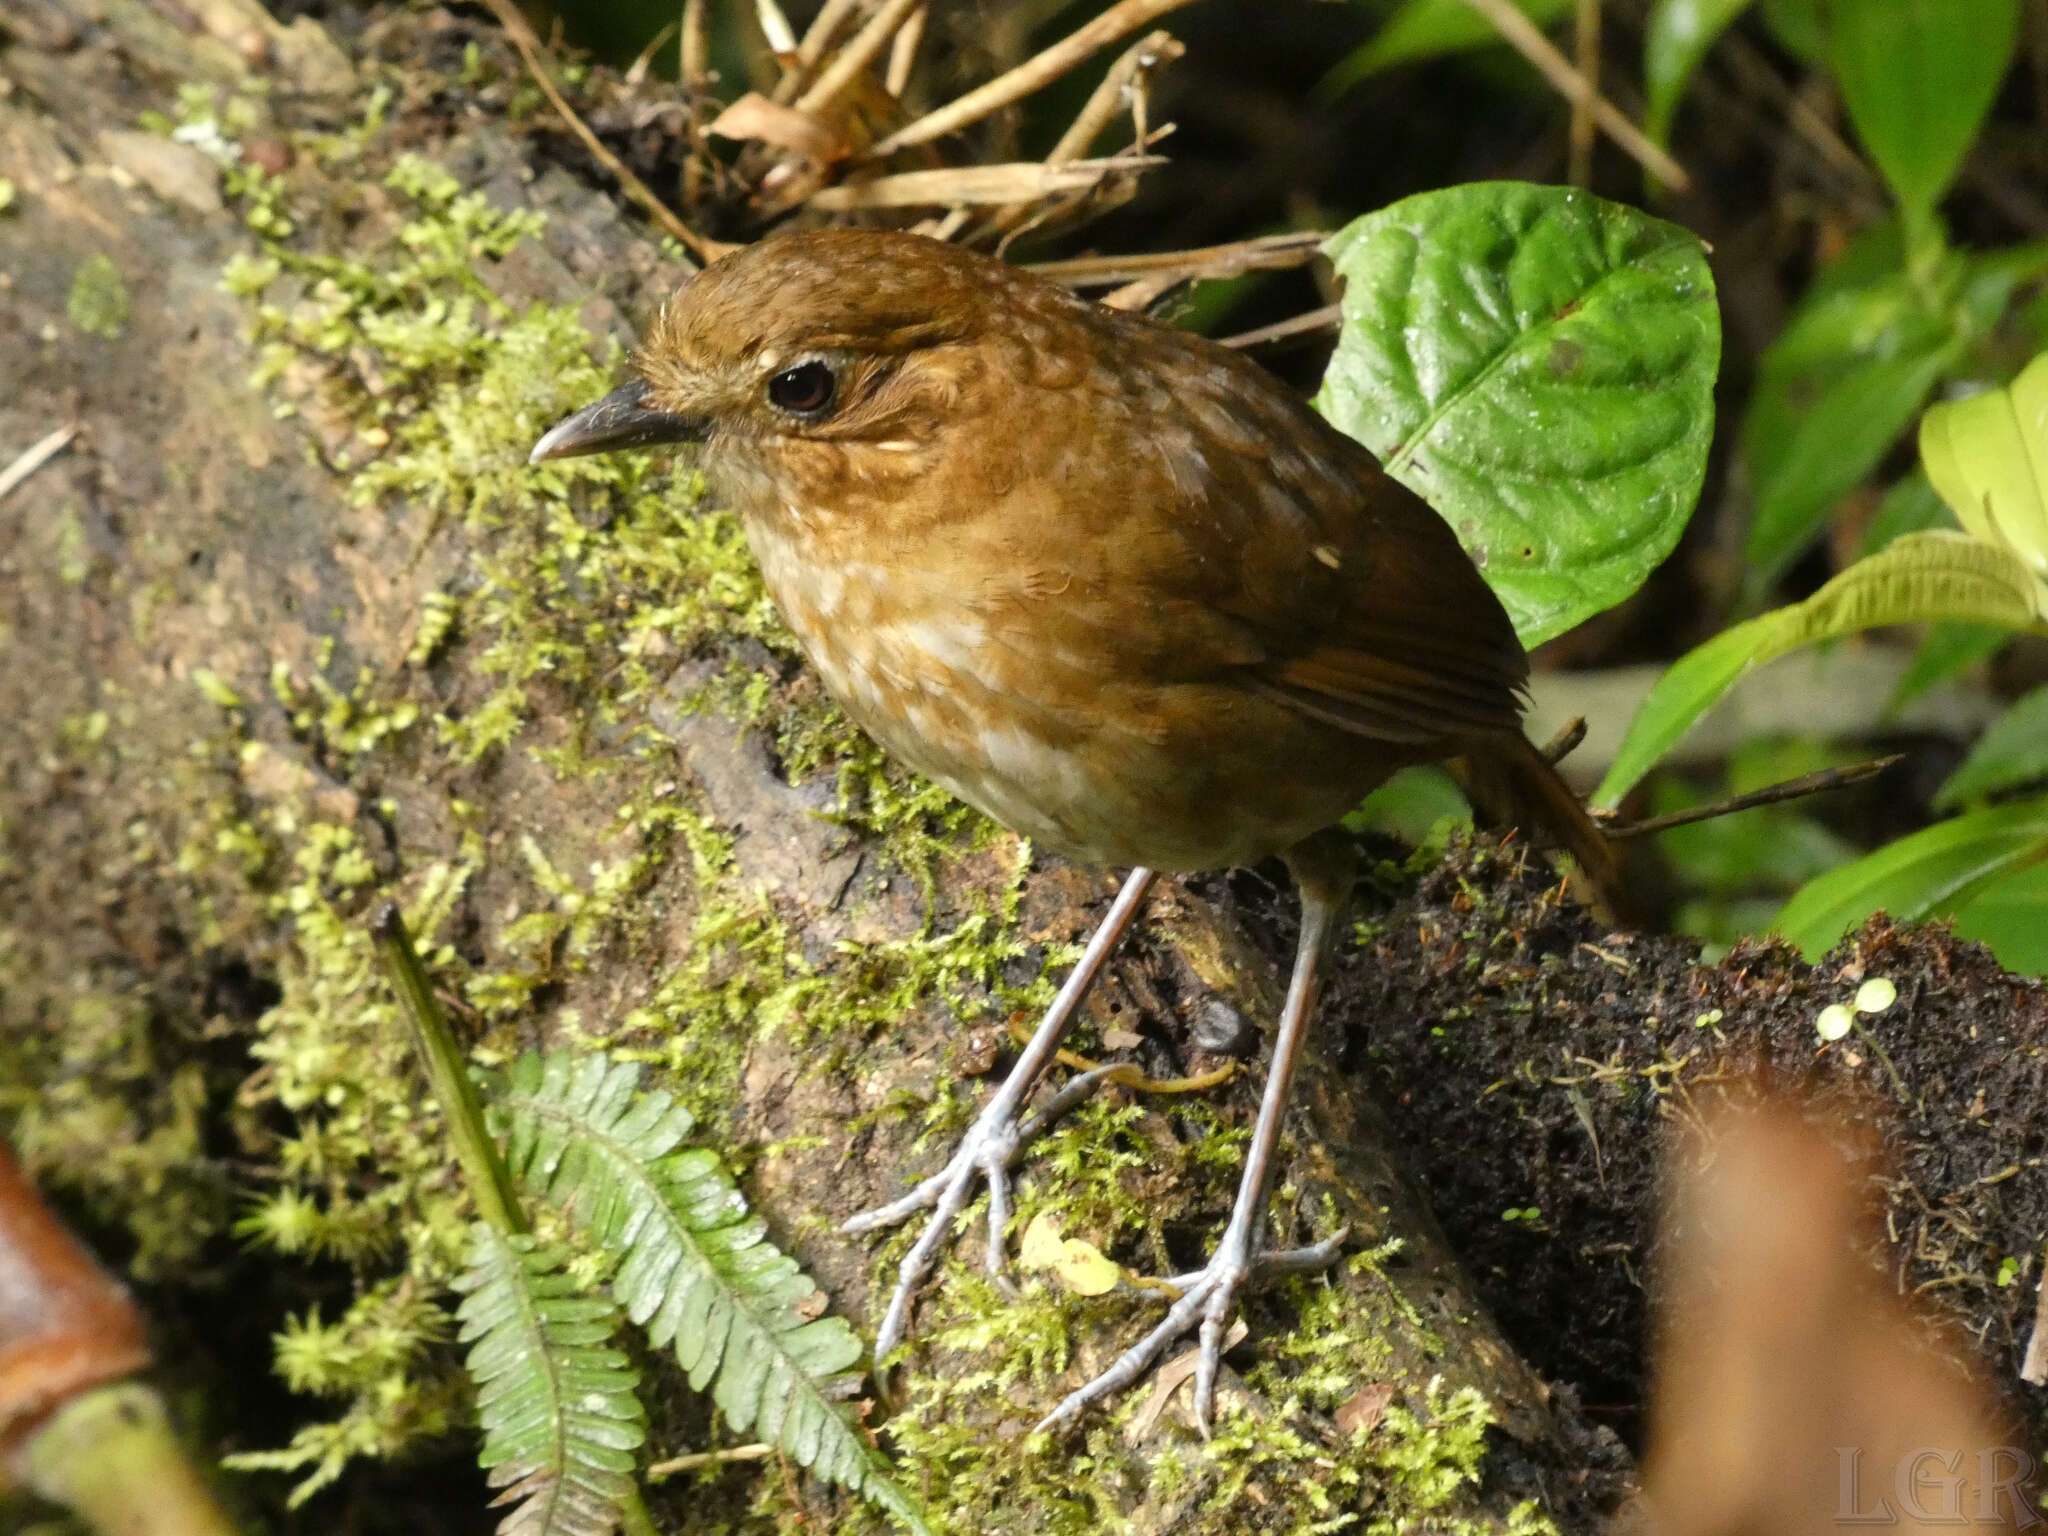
[
  {"x": 1361, "y": 1412},
  {"x": 780, "y": 126}
]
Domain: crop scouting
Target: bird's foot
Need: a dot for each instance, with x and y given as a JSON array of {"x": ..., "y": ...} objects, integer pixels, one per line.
[
  {"x": 988, "y": 1151},
  {"x": 1205, "y": 1300}
]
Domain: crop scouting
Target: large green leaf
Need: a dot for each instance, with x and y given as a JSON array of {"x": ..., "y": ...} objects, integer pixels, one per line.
[
  {"x": 1427, "y": 29},
  {"x": 1539, "y": 365},
  {"x": 1679, "y": 34},
  {"x": 2013, "y": 750},
  {"x": 1937, "y": 575},
  {"x": 1797, "y": 24},
  {"x": 1918, "y": 77},
  {"x": 1935, "y": 871}
]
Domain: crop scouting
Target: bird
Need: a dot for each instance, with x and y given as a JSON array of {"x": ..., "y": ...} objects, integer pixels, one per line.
[{"x": 1111, "y": 583}]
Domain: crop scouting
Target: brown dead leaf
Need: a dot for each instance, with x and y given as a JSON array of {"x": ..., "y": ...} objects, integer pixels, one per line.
[
  {"x": 781, "y": 126},
  {"x": 1361, "y": 1412}
]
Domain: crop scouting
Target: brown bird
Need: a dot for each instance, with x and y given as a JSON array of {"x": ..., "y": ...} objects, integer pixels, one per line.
[{"x": 1107, "y": 581}]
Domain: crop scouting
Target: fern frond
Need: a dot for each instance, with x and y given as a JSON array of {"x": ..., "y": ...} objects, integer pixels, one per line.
[
  {"x": 695, "y": 1269},
  {"x": 560, "y": 1417}
]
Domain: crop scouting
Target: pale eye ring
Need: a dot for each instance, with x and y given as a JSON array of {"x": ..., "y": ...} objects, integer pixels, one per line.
[{"x": 808, "y": 390}]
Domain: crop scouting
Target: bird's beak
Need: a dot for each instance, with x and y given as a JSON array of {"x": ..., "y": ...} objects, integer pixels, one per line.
[{"x": 622, "y": 419}]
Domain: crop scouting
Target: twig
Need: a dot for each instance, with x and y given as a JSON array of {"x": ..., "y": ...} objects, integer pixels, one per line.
[
  {"x": 637, "y": 72},
  {"x": 1125, "y": 17},
  {"x": 1586, "y": 34},
  {"x": 1329, "y": 317},
  {"x": 698, "y": 1460},
  {"x": 693, "y": 51},
  {"x": 1565, "y": 742},
  {"x": 1264, "y": 254},
  {"x": 823, "y": 28},
  {"x": 34, "y": 457},
  {"x": 775, "y": 27},
  {"x": 1770, "y": 794},
  {"x": 1103, "y": 103},
  {"x": 2034, "y": 1368},
  {"x": 1528, "y": 40},
  {"x": 856, "y": 55},
  {"x": 523, "y": 39},
  {"x": 976, "y": 184},
  {"x": 903, "y": 52}
]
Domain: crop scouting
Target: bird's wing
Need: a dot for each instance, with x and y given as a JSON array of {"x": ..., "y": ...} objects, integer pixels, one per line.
[{"x": 1342, "y": 592}]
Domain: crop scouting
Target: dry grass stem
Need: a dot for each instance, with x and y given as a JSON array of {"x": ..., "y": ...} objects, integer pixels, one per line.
[
  {"x": 1019, "y": 181},
  {"x": 1586, "y": 33},
  {"x": 1264, "y": 254},
  {"x": 698, "y": 1460},
  {"x": 775, "y": 28},
  {"x": 34, "y": 457},
  {"x": 1523, "y": 35},
  {"x": 1041, "y": 70},
  {"x": 903, "y": 52},
  {"x": 637, "y": 73},
  {"x": 1103, "y": 104},
  {"x": 857, "y": 55},
  {"x": 694, "y": 61},
  {"x": 1328, "y": 318},
  {"x": 523, "y": 39}
]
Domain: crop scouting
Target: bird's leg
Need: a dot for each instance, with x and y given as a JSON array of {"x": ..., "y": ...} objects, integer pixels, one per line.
[
  {"x": 1323, "y": 869},
  {"x": 999, "y": 1132}
]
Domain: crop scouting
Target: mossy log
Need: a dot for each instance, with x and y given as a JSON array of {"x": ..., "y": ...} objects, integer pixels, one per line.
[{"x": 290, "y": 627}]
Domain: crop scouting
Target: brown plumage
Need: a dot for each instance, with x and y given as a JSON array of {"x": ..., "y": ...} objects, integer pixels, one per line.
[{"x": 1109, "y": 582}]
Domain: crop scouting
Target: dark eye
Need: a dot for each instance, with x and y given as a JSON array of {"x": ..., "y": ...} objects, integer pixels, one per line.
[{"x": 805, "y": 390}]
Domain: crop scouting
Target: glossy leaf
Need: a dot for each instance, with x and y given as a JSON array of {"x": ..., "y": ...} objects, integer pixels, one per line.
[
  {"x": 1918, "y": 77},
  {"x": 1679, "y": 34},
  {"x": 1988, "y": 458},
  {"x": 1930, "y": 873},
  {"x": 1428, "y": 29},
  {"x": 1539, "y": 366},
  {"x": 2012, "y": 751},
  {"x": 1920, "y": 577}
]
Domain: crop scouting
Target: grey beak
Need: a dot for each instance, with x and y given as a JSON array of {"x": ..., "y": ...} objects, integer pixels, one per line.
[{"x": 620, "y": 420}]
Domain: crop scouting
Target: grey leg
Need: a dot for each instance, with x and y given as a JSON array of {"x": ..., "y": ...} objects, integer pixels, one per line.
[
  {"x": 1323, "y": 869},
  {"x": 992, "y": 1143}
]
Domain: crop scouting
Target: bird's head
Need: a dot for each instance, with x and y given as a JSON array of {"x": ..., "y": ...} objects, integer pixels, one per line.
[{"x": 837, "y": 356}]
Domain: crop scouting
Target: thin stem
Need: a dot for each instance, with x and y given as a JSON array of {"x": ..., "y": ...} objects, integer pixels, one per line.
[{"x": 483, "y": 1170}]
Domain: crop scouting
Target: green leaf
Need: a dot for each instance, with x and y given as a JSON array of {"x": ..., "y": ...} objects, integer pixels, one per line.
[
  {"x": 1538, "y": 365},
  {"x": 560, "y": 1417},
  {"x": 1922, "y": 576},
  {"x": 2012, "y": 751},
  {"x": 1945, "y": 650},
  {"x": 1428, "y": 29},
  {"x": 2009, "y": 916},
  {"x": 1797, "y": 24},
  {"x": 1988, "y": 458},
  {"x": 1918, "y": 77},
  {"x": 1928, "y": 874},
  {"x": 1911, "y": 506},
  {"x": 1833, "y": 393},
  {"x": 1680, "y": 33},
  {"x": 694, "y": 1268}
]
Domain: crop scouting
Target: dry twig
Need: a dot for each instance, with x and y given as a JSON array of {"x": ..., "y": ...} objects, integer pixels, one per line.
[
  {"x": 523, "y": 39},
  {"x": 1267, "y": 253},
  {"x": 1024, "y": 179},
  {"x": 1524, "y": 36}
]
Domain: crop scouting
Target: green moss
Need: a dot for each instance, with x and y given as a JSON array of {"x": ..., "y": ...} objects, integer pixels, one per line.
[{"x": 99, "y": 304}]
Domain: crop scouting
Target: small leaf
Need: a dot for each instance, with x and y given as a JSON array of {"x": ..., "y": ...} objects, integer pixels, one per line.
[
  {"x": 1934, "y": 575},
  {"x": 1076, "y": 1263},
  {"x": 2012, "y": 751},
  {"x": 1918, "y": 76},
  {"x": 1427, "y": 29},
  {"x": 1539, "y": 366},
  {"x": 1988, "y": 458},
  {"x": 1680, "y": 33},
  {"x": 1937, "y": 870}
]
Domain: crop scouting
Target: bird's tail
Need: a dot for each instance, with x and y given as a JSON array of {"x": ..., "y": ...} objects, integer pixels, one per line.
[{"x": 1512, "y": 784}]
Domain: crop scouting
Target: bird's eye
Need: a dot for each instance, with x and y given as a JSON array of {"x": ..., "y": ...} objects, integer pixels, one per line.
[{"x": 805, "y": 390}]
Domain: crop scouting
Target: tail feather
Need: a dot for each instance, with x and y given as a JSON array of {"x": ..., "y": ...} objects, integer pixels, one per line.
[{"x": 1510, "y": 783}]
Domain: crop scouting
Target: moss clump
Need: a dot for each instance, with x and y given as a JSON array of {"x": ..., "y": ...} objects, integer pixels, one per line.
[{"x": 98, "y": 303}]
